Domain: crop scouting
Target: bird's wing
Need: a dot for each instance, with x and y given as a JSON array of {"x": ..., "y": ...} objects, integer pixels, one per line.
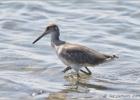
[{"x": 81, "y": 55}]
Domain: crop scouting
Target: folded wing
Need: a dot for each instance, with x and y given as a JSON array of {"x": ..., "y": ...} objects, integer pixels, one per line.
[{"x": 82, "y": 55}]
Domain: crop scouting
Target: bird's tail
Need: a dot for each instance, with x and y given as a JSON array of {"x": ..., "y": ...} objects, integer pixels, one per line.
[{"x": 111, "y": 56}]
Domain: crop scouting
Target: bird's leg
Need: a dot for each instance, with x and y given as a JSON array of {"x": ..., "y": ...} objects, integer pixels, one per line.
[
  {"x": 66, "y": 69},
  {"x": 78, "y": 77},
  {"x": 87, "y": 73}
]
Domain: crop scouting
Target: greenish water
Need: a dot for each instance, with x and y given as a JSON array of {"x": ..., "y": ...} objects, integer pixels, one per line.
[{"x": 29, "y": 72}]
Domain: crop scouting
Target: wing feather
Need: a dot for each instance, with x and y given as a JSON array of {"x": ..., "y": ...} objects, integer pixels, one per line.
[{"x": 82, "y": 55}]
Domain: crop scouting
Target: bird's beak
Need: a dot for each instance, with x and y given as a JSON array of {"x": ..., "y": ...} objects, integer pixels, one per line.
[{"x": 45, "y": 33}]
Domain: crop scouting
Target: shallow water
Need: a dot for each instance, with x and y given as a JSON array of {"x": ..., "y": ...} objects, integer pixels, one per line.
[{"x": 31, "y": 72}]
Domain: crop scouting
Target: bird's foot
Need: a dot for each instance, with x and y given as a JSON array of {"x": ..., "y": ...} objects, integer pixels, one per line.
[{"x": 78, "y": 78}]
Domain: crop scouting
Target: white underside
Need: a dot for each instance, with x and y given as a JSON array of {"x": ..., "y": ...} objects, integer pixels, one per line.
[
  {"x": 76, "y": 67},
  {"x": 58, "y": 49}
]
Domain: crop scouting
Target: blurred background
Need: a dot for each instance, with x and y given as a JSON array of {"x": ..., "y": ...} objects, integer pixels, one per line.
[{"x": 29, "y": 72}]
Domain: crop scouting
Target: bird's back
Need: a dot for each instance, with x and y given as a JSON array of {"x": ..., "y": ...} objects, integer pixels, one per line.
[{"x": 78, "y": 54}]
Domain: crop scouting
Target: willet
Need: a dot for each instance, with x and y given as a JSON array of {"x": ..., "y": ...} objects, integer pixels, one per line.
[{"x": 74, "y": 56}]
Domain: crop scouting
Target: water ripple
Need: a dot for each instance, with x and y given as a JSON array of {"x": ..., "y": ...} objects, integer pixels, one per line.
[{"x": 33, "y": 71}]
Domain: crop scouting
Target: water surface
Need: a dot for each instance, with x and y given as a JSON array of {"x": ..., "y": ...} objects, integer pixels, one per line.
[{"x": 31, "y": 72}]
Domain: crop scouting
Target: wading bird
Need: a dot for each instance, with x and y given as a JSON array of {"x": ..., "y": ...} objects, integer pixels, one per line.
[{"x": 74, "y": 56}]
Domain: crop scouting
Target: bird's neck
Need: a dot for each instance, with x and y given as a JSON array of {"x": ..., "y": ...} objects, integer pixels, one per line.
[{"x": 55, "y": 39}]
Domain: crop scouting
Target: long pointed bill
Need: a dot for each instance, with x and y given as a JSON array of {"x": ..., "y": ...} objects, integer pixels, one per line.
[{"x": 40, "y": 37}]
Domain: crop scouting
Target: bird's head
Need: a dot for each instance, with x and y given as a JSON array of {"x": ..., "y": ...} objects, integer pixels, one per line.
[{"x": 51, "y": 28}]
